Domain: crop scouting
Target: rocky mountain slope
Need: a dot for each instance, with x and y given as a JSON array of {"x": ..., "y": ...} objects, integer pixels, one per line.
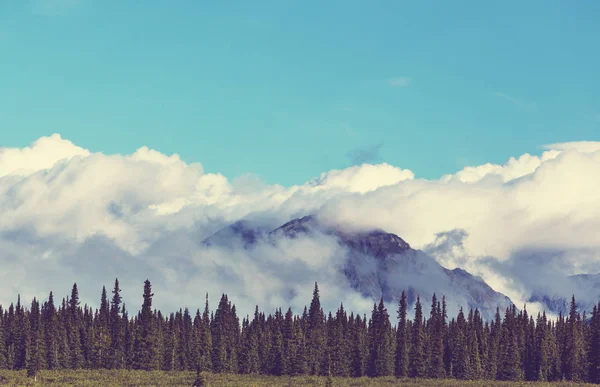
[{"x": 381, "y": 264}]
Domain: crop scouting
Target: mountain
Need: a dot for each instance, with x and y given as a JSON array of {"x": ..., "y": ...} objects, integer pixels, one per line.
[
  {"x": 585, "y": 287},
  {"x": 383, "y": 264},
  {"x": 243, "y": 231}
]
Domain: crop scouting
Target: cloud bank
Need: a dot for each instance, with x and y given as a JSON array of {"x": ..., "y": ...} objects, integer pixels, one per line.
[{"x": 70, "y": 214}]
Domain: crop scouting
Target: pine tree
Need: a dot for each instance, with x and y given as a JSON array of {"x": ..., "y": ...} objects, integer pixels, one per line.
[
  {"x": 205, "y": 340},
  {"x": 461, "y": 362},
  {"x": 436, "y": 341},
  {"x": 509, "y": 362},
  {"x": 594, "y": 346},
  {"x": 3, "y": 364},
  {"x": 574, "y": 365},
  {"x": 146, "y": 338},
  {"x": 380, "y": 343},
  {"x": 20, "y": 337},
  {"x": 276, "y": 354},
  {"x": 416, "y": 366},
  {"x": 475, "y": 371},
  {"x": 51, "y": 333},
  {"x": 299, "y": 361},
  {"x": 317, "y": 339},
  {"x": 493, "y": 346},
  {"x": 289, "y": 349},
  {"x": 34, "y": 354},
  {"x": 116, "y": 329},
  {"x": 129, "y": 339},
  {"x": 401, "y": 369},
  {"x": 73, "y": 330}
]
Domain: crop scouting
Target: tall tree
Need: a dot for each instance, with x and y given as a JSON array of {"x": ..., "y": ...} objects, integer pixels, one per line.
[
  {"x": 401, "y": 369},
  {"x": 436, "y": 341},
  {"x": 34, "y": 361},
  {"x": 575, "y": 350},
  {"x": 317, "y": 339},
  {"x": 116, "y": 329},
  {"x": 146, "y": 340},
  {"x": 417, "y": 366},
  {"x": 74, "y": 327}
]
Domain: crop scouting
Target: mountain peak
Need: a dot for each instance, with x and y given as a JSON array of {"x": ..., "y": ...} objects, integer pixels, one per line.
[{"x": 380, "y": 264}]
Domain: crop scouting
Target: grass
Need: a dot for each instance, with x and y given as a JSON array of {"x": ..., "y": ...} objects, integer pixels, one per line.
[{"x": 104, "y": 378}]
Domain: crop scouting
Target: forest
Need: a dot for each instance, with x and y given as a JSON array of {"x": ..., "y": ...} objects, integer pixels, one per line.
[{"x": 513, "y": 347}]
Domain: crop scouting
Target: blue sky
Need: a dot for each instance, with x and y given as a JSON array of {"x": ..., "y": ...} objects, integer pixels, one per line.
[{"x": 288, "y": 89}]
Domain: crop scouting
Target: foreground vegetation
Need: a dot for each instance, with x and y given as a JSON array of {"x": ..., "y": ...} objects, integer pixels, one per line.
[
  {"x": 516, "y": 347},
  {"x": 107, "y": 378}
]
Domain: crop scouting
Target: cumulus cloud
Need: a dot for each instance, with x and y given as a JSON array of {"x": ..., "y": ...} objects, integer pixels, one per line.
[
  {"x": 42, "y": 154},
  {"x": 70, "y": 214}
]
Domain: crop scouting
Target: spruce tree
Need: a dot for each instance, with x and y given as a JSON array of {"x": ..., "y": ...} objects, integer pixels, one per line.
[
  {"x": 146, "y": 348},
  {"x": 116, "y": 329},
  {"x": 574, "y": 351},
  {"x": 509, "y": 362},
  {"x": 317, "y": 339},
  {"x": 461, "y": 362},
  {"x": 401, "y": 369},
  {"x": 417, "y": 351},
  {"x": 34, "y": 354},
  {"x": 594, "y": 346},
  {"x": 51, "y": 333},
  {"x": 73, "y": 330},
  {"x": 436, "y": 341}
]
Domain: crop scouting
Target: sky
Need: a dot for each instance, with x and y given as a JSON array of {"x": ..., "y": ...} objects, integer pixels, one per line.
[
  {"x": 130, "y": 133},
  {"x": 284, "y": 90}
]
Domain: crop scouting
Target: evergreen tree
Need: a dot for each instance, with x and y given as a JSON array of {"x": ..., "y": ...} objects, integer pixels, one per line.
[
  {"x": 317, "y": 339},
  {"x": 401, "y": 369},
  {"x": 509, "y": 362},
  {"x": 34, "y": 354},
  {"x": 73, "y": 330},
  {"x": 436, "y": 341},
  {"x": 594, "y": 346},
  {"x": 575, "y": 350},
  {"x": 417, "y": 367},
  {"x": 51, "y": 333},
  {"x": 146, "y": 336},
  {"x": 461, "y": 362},
  {"x": 116, "y": 329}
]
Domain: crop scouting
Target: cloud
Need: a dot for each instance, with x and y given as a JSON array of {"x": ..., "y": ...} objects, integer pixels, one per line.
[
  {"x": 70, "y": 214},
  {"x": 366, "y": 154},
  {"x": 581, "y": 146},
  {"x": 524, "y": 105},
  {"x": 54, "y": 7},
  {"x": 42, "y": 154},
  {"x": 399, "y": 82}
]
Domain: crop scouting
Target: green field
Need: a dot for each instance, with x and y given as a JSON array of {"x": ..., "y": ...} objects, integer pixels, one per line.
[{"x": 141, "y": 378}]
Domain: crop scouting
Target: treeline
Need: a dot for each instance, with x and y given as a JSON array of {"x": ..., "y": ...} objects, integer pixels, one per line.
[{"x": 514, "y": 346}]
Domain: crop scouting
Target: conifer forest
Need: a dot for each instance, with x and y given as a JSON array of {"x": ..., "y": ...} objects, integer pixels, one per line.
[{"x": 513, "y": 347}]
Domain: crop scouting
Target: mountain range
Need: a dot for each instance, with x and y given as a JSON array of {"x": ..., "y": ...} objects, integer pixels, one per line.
[{"x": 378, "y": 264}]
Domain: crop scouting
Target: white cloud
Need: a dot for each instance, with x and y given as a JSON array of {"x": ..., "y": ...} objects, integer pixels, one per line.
[
  {"x": 580, "y": 146},
  {"x": 69, "y": 214},
  {"x": 42, "y": 154},
  {"x": 399, "y": 82}
]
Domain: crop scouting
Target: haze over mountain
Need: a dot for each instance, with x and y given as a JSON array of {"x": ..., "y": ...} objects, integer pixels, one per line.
[{"x": 380, "y": 264}]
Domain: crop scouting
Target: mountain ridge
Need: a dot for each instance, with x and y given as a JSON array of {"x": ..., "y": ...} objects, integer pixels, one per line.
[{"x": 380, "y": 264}]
